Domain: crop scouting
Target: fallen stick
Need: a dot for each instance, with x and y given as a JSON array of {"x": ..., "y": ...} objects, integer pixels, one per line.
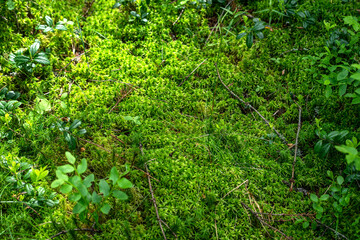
[
  {"x": 154, "y": 202},
  {"x": 336, "y": 232},
  {"x": 296, "y": 150},
  {"x": 181, "y": 13},
  {"x": 119, "y": 100},
  {"x": 77, "y": 230},
  {"x": 192, "y": 72},
  {"x": 251, "y": 107},
  {"x": 246, "y": 181},
  {"x": 263, "y": 222}
]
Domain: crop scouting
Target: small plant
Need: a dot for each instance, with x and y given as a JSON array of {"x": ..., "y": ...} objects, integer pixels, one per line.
[
  {"x": 68, "y": 131},
  {"x": 256, "y": 30},
  {"x": 27, "y": 60},
  {"x": 352, "y": 154},
  {"x": 92, "y": 197},
  {"x": 28, "y": 182},
  {"x": 327, "y": 140},
  {"x": 61, "y": 25},
  {"x": 123, "y": 3},
  {"x": 8, "y": 101},
  {"x": 307, "y": 18}
]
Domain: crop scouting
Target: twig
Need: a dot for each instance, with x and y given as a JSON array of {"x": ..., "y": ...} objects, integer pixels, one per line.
[
  {"x": 99, "y": 146},
  {"x": 75, "y": 58},
  {"x": 296, "y": 150},
  {"x": 77, "y": 230},
  {"x": 181, "y": 13},
  {"x": 192, "y": 72},
  {"x": 116, "y": 138},
  {"x": 263, "y": 222},
  {"x": 169, "y": 228},
  {"x": 336, "y": 232},
  {"x": 119, "y": 100},
  {"x": 154, "y": 202},
  {"x": 251, "y": 107},
  {"x": 147, "y": 174},
  {"x": 216, "y": 232}
]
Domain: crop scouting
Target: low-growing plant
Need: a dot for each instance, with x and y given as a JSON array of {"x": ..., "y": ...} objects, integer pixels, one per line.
[
  {"x": 91, "y": 196},
  {"x": 50, "y": 27},
  {"x": 68, "y": 131},
  {"x": 27, "y": 59},
  {"x": 352, "y": 154},
  {"x": 28, "y": 183},
  {"x": 123, "y": 3},
  {"x": 8, "y": 101},
  {"x": 251, "y": 32}
]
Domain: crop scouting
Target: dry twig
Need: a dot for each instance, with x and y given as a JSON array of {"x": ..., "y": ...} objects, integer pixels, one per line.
[
  {"x": 120, "y": 98},
  {"x": 154, "y": 202},
  {"x": 263, "y": 222},
  {"x": 77, "y": 230},
  {"x": 181, "y": 13},
  {"x": 296, "y": 150},
  {"x": 216, "y": 232},
  {"x": 192, "y": 72},
  {"x": 251, "y": 107}
]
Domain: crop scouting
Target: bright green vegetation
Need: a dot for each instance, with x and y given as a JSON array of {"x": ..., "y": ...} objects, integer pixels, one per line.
[{"x": 94, "y": 94}]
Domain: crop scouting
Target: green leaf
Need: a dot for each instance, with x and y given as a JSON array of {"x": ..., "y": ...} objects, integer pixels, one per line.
[
  {"x": 356, "y": 100},
  {"x": 356, "y": 76},
  {"x": 124, "y": 183},
  {"x": 81, "y": 168},
  {"x": 342, "y": 75},
  {"x": 241, "y": 35},
  {"x": 70, "y": 157},
  {"x": 104, "y": 187},
  {"x": 19, "y": 59},
  {"x": 75, "y": 197},
  {"x": 342, "y": 90},
  {"x": 57, "y": 183},
  {"x": 314, "y": 198},
  {"x": 10, "y": 4},
  {"x": 60, "y": 27},
  {"x": 88, "y": 180},
  {"x": 318, "y": 208},
  {"x": 114, "y": 175},
  {"x": 76, "y": 180},
  {"x": 324, "y": 197},
  {"x": 328, "y": 91},
  {"x": 66, "y": 188},
  {"x": 42, "y": 59},
  {"x": 106, "y": 208},
  {"x": 79, "y": 208},
  {"x": 305, "y": 224},
  {"x": 340, "y": 180},
  {"x": 66, "y": 168},
  {"x": 250, "y": 40},
  {"x": 318, "y": 146},
  {"x": 34, "y": 48},
  {"x": 75, "y": 124},
  {"x": 96, "y": 198},
  {"x": 120, "y": 195},
  {"x": 61, "y": 175},
  {"x": 49, "y": 21}
]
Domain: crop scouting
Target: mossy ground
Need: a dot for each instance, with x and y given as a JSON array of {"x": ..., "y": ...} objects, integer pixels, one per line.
[{"x": 199, "y": 141}]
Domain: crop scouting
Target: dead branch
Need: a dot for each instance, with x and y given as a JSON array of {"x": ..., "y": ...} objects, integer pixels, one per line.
[
  {"x": 154, "y": 202},
  {"x": 251, "y": 107},
  {"x": 296, "y": 150},
  {"x": 216, "y": 232},
  {"x": 336, "y": 232},
  {"x": 192, "y": 72},
  {"x": 76, "y": 230},
  {"x": 181, "y": 13},
  {"x": 77, "y": 58},
  {"x": 119, "y": 100},
  {"x": 265, "y": 223}
]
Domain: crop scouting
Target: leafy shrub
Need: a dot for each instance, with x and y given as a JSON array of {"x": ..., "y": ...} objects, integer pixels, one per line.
[
  {"x": 91, "y": 196},
  {"x": 27, "y": 60}
]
